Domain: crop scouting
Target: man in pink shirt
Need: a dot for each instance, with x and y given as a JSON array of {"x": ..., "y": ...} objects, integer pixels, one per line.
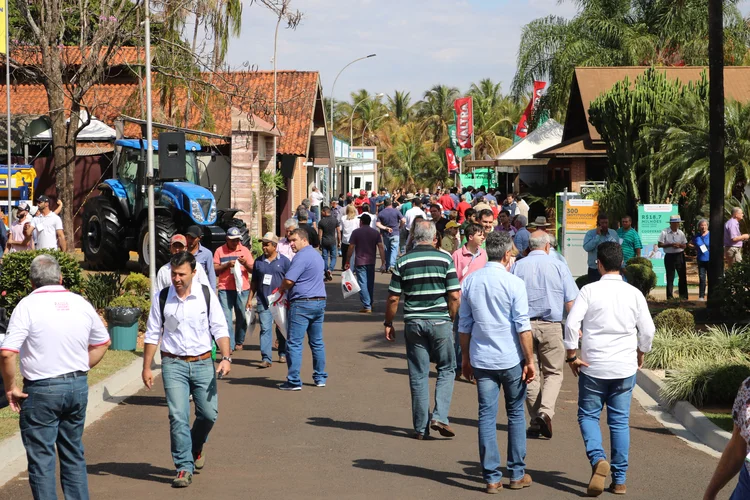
[
  {"x": 468, "y": 259},
  {"x": 17, "y": 239}
]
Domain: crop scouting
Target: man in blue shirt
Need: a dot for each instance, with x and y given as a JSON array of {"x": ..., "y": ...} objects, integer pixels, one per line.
[
  {"x": 496, "y": 346},
  {"x": 268, "y": 274},
  {"x": 521, "y": 239},
  {"x": 389, "y": 222},
  {"x": 203, "y": 255},
  {"x": 593, "y": 239},
  {"x": 307, "y": 305},
  {"x": 549, "y": 288}
]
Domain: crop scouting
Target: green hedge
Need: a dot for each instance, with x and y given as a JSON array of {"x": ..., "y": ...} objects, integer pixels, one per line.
[
  {"x": 705, "y": 383},
  {"x": 641, "y": 261},
  {"x": 14, "y": 278},
  {"x": 675, "y": 319},
  {"x": 642, "y": 277},
  {"x": 733, "y": 293}
]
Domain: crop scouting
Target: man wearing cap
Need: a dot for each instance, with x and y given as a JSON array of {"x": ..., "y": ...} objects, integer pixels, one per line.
[
  {"x": 47, "y": 227},
  {"x": 203, "y": 256},
  {"x": 178, "y": 244},
  {"x": 268, "y": 274},
  {"x": 225, "y": 258},
  {"x": 17, "y": 240},
  {"x": 406, "y": 205},
  {"x": 361, "y": 200},
  {"x": 674, "y": 242}
]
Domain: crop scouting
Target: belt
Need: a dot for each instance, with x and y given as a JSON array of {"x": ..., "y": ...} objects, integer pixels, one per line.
[
  {"x": 189, "y": 359},
  {"x": 75, "y": 374},
  {"x": 308, "y": 299},
  {"x": 541, "y": 318}
]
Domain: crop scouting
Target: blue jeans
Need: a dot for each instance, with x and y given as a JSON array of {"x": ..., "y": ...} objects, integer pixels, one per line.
[
  {"x": 181, "y": 379},
  {"x": 366, "y": 279},
  {"x": 427, "y": 340},
  {"x": 390, "y": 242},
  {"x": 593, "y": 394},
  {"x": 231, "y": 300},
  {"x": 329, "y": 257},
  {"x": 306, "y": 316},
  {"x": 265, "y": 318},
  {"x": 742, "y": 490},
  {"x": 488, "y": 391},
  {"x": 53, "y": 415}
]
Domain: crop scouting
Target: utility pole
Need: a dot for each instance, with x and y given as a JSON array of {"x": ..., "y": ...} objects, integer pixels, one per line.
[{"x": 716, "y": 145}]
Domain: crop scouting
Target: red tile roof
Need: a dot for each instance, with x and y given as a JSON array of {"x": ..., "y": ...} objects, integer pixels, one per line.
[{"x": 32, "y": 56}]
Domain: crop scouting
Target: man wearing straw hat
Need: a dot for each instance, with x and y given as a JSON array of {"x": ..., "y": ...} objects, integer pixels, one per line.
[{"x": 674, "y": 242}]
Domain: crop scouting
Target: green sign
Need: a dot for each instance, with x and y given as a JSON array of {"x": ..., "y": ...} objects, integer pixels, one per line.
[{"x": 652, "y": 220}]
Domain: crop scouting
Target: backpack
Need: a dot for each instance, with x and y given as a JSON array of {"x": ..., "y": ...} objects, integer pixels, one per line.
[{"x": 165, "y": 292}]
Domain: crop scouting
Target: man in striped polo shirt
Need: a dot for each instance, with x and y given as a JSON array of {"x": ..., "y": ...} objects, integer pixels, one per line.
[{"x": 427, "y": 279}]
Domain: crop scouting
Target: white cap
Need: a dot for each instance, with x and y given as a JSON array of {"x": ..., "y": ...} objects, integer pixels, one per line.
[{"x": 33, "y": 210}]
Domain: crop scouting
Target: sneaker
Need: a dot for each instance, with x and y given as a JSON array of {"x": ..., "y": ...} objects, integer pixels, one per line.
[
  {"x": 444, "y": 429},
  {"x": 599, "y": 472},
  {"x": 320, "y": 384},
  {"x": 520, "y": 484},
  {"x": 183, "y": 479},
  {"x": 329, "y": 275},
  {"x": 199, "y": 459},
  {"x": 286, "y": 386},
  {"x": 282, "y": 359}
]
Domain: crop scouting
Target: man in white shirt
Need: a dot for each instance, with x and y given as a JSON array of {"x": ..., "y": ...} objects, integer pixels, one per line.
[
  {"x": 178, "y": 244},
  {"x": 18, "y": 238},
  {"x": 47, "y": 227},
  {"x": 674, "y": 242},
  {"x": 59, "y": 337},
  {"x": 316, "y": 200},
  {"x": 414, "y": 211},
  {"x": 616, "y": 331},
  {"x": 191, "y": 318}
]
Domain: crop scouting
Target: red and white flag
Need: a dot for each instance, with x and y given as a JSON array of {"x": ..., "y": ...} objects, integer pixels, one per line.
[
  {"x": 522, "y": 129},
  {"x": 451, "y": 157},
  {"x": 464, "y": 122}
]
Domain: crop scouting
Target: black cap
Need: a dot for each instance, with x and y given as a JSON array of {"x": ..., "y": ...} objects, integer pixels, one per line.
[
  {"x": 42, "y": 198},
  {"x": 194, "y": 231}
]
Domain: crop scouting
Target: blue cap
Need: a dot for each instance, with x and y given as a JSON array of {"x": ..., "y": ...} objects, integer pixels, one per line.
[{"x": 233, "y": 233}]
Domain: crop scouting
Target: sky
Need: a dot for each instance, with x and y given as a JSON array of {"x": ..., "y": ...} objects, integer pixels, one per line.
[{"x": 419, "y": 43}]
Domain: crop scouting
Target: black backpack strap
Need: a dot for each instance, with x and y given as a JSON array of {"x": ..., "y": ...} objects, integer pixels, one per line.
[
  {"x": 162, "y": 303},
  {"x": 207, "y": 296}
]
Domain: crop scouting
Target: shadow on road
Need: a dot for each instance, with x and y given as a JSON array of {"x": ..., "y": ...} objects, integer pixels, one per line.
[
  {"x": 443, "y": 477},
  {"x": 470, "y": 422},
  {"x": 388, "y": 430},
  {"x": 404, "y": 371},
  {"x": 258, "y": 381},
  {"x": 551, "y": 479},
  {"x": 384, "y": 354},
  {"x": 142, "y": 471},
  {"x": 145, "y": 401},
  {"x": 655, "y": 430}
]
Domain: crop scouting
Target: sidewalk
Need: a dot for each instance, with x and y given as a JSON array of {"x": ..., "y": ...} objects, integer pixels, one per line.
[{"x": 351, "y": 439}]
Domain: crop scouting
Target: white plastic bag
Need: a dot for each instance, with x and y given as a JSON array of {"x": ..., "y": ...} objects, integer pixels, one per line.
[
  {"x": 279, "y": 307},
  {"x": 237, "y": 273},
  {"x": 349, "y": 285}
]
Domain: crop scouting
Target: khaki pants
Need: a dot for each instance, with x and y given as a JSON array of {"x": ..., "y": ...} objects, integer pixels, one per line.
[
  {"x": 732, "y": 255},
  {"x": 549, "y": 353}
]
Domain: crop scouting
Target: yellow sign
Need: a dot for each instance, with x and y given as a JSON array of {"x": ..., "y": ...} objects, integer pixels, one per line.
[
  {"x": 3, "y": 27},
  {"x": 580, "y": 215}
]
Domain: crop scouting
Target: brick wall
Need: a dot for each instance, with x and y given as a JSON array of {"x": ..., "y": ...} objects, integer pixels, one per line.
[
  {"x": 299, "y": 183},
  {"x": 246, "y": 179},
  {"x": 577, "y": 173}
]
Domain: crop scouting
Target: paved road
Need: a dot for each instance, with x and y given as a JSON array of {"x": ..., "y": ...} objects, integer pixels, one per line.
[{"x": 351, "y": 439}]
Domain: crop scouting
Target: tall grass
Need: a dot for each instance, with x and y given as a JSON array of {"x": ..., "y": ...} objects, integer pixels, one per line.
[
  {"x": 705, "y": 382},
  {"x": 673, "y": 349}
]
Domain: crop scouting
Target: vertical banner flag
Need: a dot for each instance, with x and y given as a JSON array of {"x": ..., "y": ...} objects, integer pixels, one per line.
[
  {"x": 459, "y": 152},
  {"x": 522, "y": 129},
  {"x": 452, "y": 165},
  {"x": 3, "y": 27},
  {"x": 464, "y": 122}
]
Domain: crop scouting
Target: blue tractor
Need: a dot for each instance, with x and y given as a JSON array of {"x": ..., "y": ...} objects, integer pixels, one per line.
[{"x": 116, "y": 221}]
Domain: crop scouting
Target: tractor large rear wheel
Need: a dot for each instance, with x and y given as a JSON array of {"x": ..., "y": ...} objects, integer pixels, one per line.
[
  {"x": 103, "y": 235},
  {"x": 165, "y": 229}
]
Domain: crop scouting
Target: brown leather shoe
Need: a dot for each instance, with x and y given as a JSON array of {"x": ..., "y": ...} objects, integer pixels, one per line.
[
  {"x": 493, "y": 488},
  {"x": 520, "y": 484},
  {"x": 545, "y": 425},
  {"x": 599, "y": 473},
  {"x": 444, "y": 429},
  {"x": 618, "y": 489},
  {"x": 419, "y": 436},
  {"x": 264, "y": 364}
]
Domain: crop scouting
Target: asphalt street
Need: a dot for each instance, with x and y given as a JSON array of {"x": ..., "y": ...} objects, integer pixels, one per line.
[{"x": 352, "y": 439}]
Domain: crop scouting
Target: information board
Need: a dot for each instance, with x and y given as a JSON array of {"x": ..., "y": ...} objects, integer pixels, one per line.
[
  {"x": 580, "y": 217},
  {"x": 652, "y": 220}
]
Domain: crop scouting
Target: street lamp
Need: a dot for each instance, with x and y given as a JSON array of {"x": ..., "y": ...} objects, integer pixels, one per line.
[
  {"x": 368, "y": 123},
  {"x": 337, "y": 77},
  {"x": 351, "y": 119}
]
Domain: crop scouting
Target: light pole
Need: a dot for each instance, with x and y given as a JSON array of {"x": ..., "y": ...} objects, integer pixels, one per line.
[
  {"x": 351, "y": 119},
  {"x": 334, "y": 84},
  {"x": 368, "y": 123}
]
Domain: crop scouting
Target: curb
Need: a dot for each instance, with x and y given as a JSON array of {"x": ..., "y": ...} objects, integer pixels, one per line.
[
  {"x": 688, "y": 415},
  {"x": 103, "y": 397}
]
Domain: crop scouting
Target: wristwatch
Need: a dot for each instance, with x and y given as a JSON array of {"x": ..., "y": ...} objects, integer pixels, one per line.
[
  {"x": 387, "y": 323},
  {"x": 226, "y": 358},
  {"x": 570, "y": 360}
]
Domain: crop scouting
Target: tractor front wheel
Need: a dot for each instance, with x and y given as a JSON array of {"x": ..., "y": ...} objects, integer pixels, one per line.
[
  {"x": 103, "y": 238},
  {"x": 165, "y": 229}
]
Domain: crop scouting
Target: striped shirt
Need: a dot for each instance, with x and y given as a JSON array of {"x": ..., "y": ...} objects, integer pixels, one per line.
[{"x": 424, "y": 276}]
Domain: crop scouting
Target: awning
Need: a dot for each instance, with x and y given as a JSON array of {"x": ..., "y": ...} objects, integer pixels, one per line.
[{"x": 348, "y": 162}]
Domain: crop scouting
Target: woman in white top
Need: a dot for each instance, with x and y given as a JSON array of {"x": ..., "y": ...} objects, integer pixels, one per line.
[{"x": 349, "y": 223}]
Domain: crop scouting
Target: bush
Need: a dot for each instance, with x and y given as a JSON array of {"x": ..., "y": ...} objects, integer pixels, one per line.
[
  {"x": 642, "y": 277},
  {"x": 137, "y": 283},
  {"x": 705, "y": 382},
  {"x": 675, "y": 349},
  {"x": 733, "y": 293},
  {"x": 14, "y": 278},
  {"x": 640, "y": 261},
  {"x": 130, "y": 300},
  {"x": 257, "y": 248},
  {"x": 582, "y": 281},
  {"x": 675, "y": 319},
  {"x": 101, "y": 288}
]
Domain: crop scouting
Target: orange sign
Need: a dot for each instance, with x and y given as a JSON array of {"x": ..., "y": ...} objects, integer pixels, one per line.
[{"x": 580, "y": 215}]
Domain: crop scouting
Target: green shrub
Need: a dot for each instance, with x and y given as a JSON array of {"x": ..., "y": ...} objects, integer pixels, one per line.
[
  {"x": 101, "y": 288},
  {"x": 137, "y": 283},
  {"x": 733, "y": 293},
  {"x": 14, "y": 279},
  {"x": 130, "y": 300},
  {"x": 675, "y": 319},
  {"x": 640, "y": 261},
  {"x": 582, "y": 281},
  {"x": 705, "y": 382},
  {"x": 257, "y": 248},
  {"x": 642, "y": 277},
  {"x": 675, "y": 349}
]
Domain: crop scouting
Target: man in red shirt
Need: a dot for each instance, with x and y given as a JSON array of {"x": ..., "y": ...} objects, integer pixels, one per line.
[
  {"x": 463, "y": 206},
  {"x": 361, "y": 200},
  {"x": 446, "y": 201},
  {"x": 232, "y": 299}
]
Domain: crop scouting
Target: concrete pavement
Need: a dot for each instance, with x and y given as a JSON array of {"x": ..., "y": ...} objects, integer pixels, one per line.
[{"x": 351, "y": 439}]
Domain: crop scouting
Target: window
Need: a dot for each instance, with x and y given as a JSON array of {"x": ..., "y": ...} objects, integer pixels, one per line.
[
  {"x": 358, "y": 183},
  {"x": 368, "y": 186}
]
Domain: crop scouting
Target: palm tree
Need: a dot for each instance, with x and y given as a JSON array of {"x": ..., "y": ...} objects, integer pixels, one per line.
[
  {"x": 225, "y": 19},
  {"x": 436, "y": 112},
  {"x": 411, "y": 162},
  {"x": 400, "y": 108},
  {"x": 495, "y": 117}
]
